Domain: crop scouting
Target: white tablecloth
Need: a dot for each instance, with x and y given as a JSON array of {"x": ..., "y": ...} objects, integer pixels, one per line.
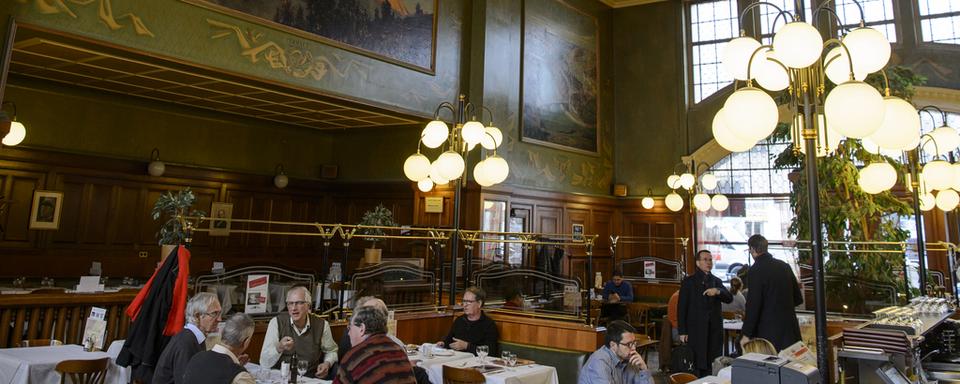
[
  {"x": 263, "y": 377},
  {"x": 710, "y": 380},
  {"x": 526, "y": 374},
  {"x": 35, "y": 365}
]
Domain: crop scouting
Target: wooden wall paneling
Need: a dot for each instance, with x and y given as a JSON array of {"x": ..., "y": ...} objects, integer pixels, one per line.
[
  {"x": 71, "y": 214},
  {"x": 548, "y": 219},
  {"x": 666, "y": 229},
  {"x": 94, "y": 218},
  {"x": 126, "y": 216},
  {"x": 602, "y": 226},
  {"x": 19, "y": 189}
]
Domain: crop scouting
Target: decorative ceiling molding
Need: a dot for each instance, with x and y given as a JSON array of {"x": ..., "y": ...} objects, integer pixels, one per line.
[
  {"x": 628, "y": 3},
  {"x": 945, "y": 98}
]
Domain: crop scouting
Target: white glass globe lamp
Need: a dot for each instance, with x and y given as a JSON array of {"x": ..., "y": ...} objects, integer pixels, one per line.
[
  {"x": 481, "y": 174},
  {"x": 725, "y": 136},
  {"x": 673, "y": 181},
  {"x": 869, "y": 48},
  {"x": 947, "y": 200},
  {"x": 837, "y": 68},
  {"x": 927, "y": 201},
  {"x": 497, "y": 168},
  {"x": 492, "y": 138},
  {"x": 798, "y": 44},
  {"x": 435, "y": 175},
  {"x": 877, "y": 177},
  {"x": 473, "y": 132},
  {"x": 900, "y": 129},
  {"x": 425, "y": 185},
  {"x": 687, "y": 180},
  {"x": 768, "y": 74},
  {"x": 673, "y": 202},
  {"x": 855, "y": 109},
  {"x": 156, "y": 168},
  {"x": 751, "y": 114},
  {"x": 450, "y": 165},
  {"x": 417, "y": 167},
  {"x": 938, "y": 175},
  {"x": 946, "y": 139},
  {"x": 736, "y": 54},
  {"x": 701, "y": 201},
  {"x": 16, "y": 135},
  {"x": 708, "y": 181},
  {"x": 434, "y": 134},
  {"x": 719, "y": 202},
  {"x": 647, "y": 202}
]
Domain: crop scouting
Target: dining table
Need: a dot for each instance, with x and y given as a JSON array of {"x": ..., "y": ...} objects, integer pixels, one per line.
[
  {"x": 36, "y": 365},
  {"x": 265, "y": 375},
  {"x": 500, "y": 374}
]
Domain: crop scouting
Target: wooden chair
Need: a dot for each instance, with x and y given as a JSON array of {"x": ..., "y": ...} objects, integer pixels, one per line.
[
  {"x": 40, "y": 343},
  {"x": 83, "y": 371},
  {"x": 643, "y": 324},
  {"x": 452, "y": 375},
  {"x": 644, "y": 344},
  {"x": 682, "y": 378}
]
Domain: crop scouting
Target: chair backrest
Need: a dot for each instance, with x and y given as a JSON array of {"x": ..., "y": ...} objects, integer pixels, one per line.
[
  {"x": 452, "y": 375},
  {"x": 682, "y": 378},
  {"x": 40, "y": 343},
  {"x": 759, "y": 345},
  {"x": 83, "y": 371}
]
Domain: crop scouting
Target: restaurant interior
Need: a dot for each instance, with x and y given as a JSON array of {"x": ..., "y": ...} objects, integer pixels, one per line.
[{"x": 532, "y": 148}]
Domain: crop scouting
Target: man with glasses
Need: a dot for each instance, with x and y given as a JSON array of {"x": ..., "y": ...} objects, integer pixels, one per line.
[
  {"x": 202, "y": 316},
  {"x": 474, "y": 327},
  {"x": 299, "y": 332},
  {"x": 617, "y": 362},
  {"x": 699, "y": 314},
  {"x": 224, "y": 363}
]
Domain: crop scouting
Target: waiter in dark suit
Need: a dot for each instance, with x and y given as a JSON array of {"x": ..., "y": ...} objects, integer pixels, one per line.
[
  {"x": 699, "y": 317},
  {"x": 772, "y": 294}
]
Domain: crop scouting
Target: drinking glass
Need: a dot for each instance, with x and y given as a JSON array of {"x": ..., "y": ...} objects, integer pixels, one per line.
[
  {"x": 513, "y": 360},
  {"x": 482, "y": 351},
  {"x": 505, "y": 356},
  {"x": 302, "y": 369}
]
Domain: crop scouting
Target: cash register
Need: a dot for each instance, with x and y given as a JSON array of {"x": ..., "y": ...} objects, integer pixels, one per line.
[{"x": 755, "y": 368}]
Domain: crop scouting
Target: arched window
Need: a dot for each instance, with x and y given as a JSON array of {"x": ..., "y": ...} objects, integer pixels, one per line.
[
  {"x": 712, "y": 24},
  {"x": 939, "y": 21}
]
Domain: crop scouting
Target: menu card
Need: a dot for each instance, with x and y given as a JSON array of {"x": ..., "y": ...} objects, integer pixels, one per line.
[
  {"x": 95, "y": 329},
  {"x": 258, "y": 294}
]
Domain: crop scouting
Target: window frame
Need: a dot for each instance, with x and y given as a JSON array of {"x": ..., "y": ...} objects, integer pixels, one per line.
[{"x": 918, "y": 28}]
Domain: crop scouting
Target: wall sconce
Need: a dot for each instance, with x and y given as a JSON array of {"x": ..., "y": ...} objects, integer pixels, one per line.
[
  {"x": 647, "y": 202},
  {"x": 156, "y": 167},
  {"x": 280, "y": 180},
  {"x": 15, "y": 131}
]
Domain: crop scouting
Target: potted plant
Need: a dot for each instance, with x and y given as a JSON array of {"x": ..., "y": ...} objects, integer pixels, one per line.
[
  {"x": 172, "y": 232},
  {"x": 377, "y": 217}
]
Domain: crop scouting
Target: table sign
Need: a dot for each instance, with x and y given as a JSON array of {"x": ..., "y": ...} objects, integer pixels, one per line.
[
  {"x": 95, "y": 329},
  {"x": 258, "y": 294},
  {"x": 89, "y": 284},
  {"x": 571, "y": 297},
  {"x": 650, "y": 269}
]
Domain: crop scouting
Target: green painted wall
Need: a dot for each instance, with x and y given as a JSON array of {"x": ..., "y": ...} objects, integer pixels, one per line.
[{"x": 651, "y": 134}]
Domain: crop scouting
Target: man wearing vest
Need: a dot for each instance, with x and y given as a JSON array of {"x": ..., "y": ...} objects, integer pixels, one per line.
[
  {"x": 220, "y": 365},
  {"x": 297, "y": 331}
]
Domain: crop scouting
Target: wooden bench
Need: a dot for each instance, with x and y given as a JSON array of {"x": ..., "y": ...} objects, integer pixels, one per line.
[{"x": 60, "y": 316}]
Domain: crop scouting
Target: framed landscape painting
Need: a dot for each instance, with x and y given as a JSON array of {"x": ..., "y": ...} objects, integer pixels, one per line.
[
  {"x": 402, "y": 32},
  {"x": 560, "y": 76}
]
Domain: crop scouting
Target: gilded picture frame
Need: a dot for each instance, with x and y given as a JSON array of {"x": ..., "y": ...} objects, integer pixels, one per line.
[
  {"x": 220, "y": 210},
  {"x": 45, "y": 211},
  {"x": 359, "y": 26}
]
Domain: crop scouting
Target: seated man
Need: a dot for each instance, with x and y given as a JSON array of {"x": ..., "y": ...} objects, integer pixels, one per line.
[
  {"x": 298, "y": 331},
  {"x": 346, "y": 345},
  {"x": 221, "y": 364},
  {"x": 202, "y": 315},
  {"x": 616, "y": 293},
  {"x": 617, "y": 362},
  {"x": 474, "y": 327},
  {"x": 374, "y": 358}
]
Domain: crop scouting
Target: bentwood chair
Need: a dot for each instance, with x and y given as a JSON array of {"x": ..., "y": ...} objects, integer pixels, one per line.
[
  {"x": 40, "y": 343},
  {"x": 645, "y": 344},
  {"x": 83, "y": 371},
  {"x": 452, "y": 375},
  {"x": 682, "y": 378}
]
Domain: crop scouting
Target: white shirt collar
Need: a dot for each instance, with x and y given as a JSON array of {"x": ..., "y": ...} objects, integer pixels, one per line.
[
  {"x": 219, "y": 348},
  {"x": 196, "y": 332},
  {"x": 306, "y": 327}
]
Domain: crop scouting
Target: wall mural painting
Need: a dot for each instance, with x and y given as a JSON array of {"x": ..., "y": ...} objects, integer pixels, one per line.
[
  {"x": 104, "y": 11},
  {"x": 402, "y": 32},
  {"x": 560, "y": 77}
]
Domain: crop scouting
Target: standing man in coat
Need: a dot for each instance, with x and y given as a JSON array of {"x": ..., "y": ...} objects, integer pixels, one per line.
[
  {"x": 699, "y": 318},
  {"x": 772, "y": 294}
]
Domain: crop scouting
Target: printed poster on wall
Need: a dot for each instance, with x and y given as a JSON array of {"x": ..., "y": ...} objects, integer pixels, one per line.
[
  {"x": 649, "y": 269},
  {"x": 258, "y": 294}
]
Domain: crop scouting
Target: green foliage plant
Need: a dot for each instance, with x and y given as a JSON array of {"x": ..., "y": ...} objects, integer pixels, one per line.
[
  {"x": 174, "y": 206},
  {"x": 377, "y": 217}
]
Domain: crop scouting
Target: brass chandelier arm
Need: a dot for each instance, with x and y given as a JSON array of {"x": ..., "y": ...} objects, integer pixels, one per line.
[
  {"x": 445, "y": 104},
  {"x": 750, "y": 7},
  {"x": 823, "y": 6}
]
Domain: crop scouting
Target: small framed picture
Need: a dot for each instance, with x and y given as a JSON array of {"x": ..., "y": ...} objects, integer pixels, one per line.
[
  {"x": 220, "y": 211},
  {"x": 578, "y": 232},
  {"x": 45, "y": 213}
]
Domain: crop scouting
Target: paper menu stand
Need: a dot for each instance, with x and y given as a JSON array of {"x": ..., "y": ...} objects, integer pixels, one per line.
[
  {"x": 649, "y": 269},
  {"x": 89, "y": 284},
  {"x": 571, "y": 297},
  {"x": 95, "y": 329},
  {"x": 258, "y": 294}
]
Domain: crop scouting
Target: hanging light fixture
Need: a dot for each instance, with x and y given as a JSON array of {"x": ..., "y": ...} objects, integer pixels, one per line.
[
  {"x": 15, "y": 131},
  {"x": 156, "y": 167},
  {"x": 673, "y": 201},
  {"x": 647, "y": 201},
  {"x": 280, "y": 180},
  {"x": 719, "y": 202}
]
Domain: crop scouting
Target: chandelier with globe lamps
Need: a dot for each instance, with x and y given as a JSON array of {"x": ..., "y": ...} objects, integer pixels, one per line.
[
  {"x": 701, "y": 200},
  {"x": 800, "y": 62},
  {"x": 451, "y": 164}
]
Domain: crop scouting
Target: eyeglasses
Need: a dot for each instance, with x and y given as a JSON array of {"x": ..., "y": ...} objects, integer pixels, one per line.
[
  {"x": 293, "y": 303},
  {"x": 468, "y": 301},
  {"x": 631, "y": 345},
  {"x": 214, "y": 314}
]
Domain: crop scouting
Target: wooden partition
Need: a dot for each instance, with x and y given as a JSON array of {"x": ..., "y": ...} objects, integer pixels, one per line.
[
  {"x": 547, "y": 333},
  {"x": 60, "y": 316}
]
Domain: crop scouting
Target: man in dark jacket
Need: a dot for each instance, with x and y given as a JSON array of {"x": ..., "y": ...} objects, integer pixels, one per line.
[
  {"x": 699, "y": 318},
  {"x": 202, "y": 316},
  {"x": 474, "y": 327},
  {"x": 772, "y": 295},
  {"x": 224, "y": 363}
]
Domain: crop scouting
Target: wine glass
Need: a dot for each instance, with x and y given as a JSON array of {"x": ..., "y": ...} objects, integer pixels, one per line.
[
  {"x": 302, "y": 369},
  {"x": 512, "y": 362},
  {"x": 505, "y": 356},
  {"x": 482, "y": 351}
]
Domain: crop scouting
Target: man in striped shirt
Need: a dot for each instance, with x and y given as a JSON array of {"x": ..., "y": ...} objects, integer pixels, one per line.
[{"x": 374, "y": 358}]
